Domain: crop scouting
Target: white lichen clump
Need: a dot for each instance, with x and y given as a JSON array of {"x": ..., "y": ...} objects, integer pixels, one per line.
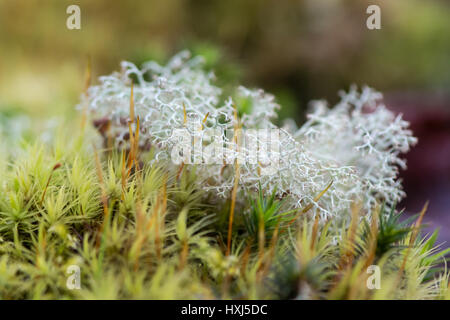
[{"x": 356, "y": 145}]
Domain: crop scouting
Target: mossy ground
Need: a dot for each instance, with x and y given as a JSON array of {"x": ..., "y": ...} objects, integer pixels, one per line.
[{"x": 141, "y": 231}]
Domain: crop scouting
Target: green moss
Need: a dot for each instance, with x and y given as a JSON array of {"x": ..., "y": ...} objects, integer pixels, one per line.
[{"x": 159, "y": 236}]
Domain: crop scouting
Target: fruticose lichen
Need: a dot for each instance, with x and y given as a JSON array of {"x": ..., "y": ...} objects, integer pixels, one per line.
[{"x": 354, "y": 146}]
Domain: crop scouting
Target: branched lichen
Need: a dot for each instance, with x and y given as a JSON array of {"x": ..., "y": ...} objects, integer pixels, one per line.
[{"x": 356, "y": 145}]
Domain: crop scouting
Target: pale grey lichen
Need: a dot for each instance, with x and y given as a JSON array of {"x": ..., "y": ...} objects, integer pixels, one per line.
[
  {"x": 362, "y": 133},
  {"x": 356, "y": 145}
]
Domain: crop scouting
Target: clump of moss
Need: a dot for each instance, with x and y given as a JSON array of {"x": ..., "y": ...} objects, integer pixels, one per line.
[{"x": 150, "y": 233}]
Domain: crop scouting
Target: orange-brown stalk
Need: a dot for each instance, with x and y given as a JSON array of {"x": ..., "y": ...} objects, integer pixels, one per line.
[
  {"x": 134, "y": 146},
  {"x": 204, "y": 120},
  {"x": 307, "y": 208},
  {"x": 180, "y": 169},
  {"x": 414, "y": 234},
  {"x": 373, "y": 239},
  {"x": 104, "y": 196},
  {"x": 347, "y": 257},
  {"x": 134, "y": 137},
  {"x": 124, "y": 176},
  {"x": 261, "y": 236},
  {"x": 245, "y": 257},
  {"x": 161, "y": 203},
  {"x": 314, "y": 231},
  {"x": 87, "y": 83},
  {"x": 130, "y": 155},
  {"x": 236, "y": 184},
  {"x": 233, "y": 204},
  {"x": 136, "y": 141},
  {"x": 184, "y": 254},
  {"x": 161, "y": 224},
  {"x": 154, "y": 218},
  {"x": 140, "y": 238},
  {"x": 132, "y": 103},
  {"x": 273, "y": 243},
  {"x": 56, "y": 166},
  {"x": 160, "y": 207}
]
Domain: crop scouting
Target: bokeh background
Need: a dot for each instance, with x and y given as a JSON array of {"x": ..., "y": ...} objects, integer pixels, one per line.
[{"x": 298, "y": 50}]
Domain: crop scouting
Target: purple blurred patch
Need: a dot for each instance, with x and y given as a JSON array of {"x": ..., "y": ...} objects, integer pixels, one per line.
[{"x": 428, "y": 173}]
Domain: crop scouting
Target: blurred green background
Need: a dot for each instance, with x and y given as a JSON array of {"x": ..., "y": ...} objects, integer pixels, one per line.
[{"x": 298, "y": 50}]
